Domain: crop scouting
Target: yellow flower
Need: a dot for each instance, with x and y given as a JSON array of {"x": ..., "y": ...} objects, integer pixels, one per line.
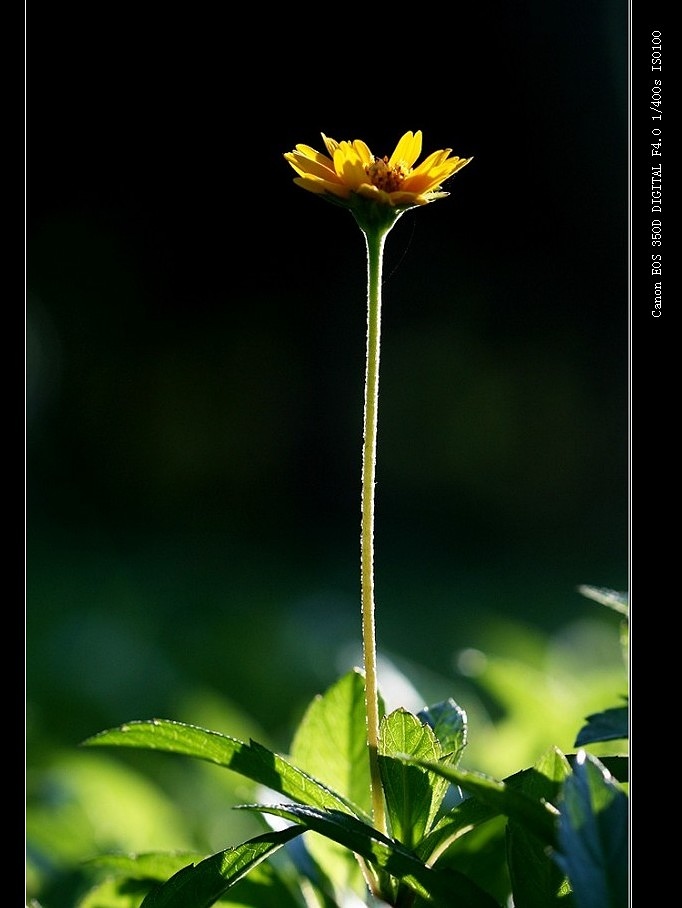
[{"x": 351, "y": 169}]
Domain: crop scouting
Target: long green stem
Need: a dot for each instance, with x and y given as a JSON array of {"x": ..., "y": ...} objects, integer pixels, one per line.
[{"x": 375, "y": 245}]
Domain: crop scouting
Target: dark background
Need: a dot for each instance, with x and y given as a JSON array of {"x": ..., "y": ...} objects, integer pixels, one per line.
[{"x": 196, "y": 332}]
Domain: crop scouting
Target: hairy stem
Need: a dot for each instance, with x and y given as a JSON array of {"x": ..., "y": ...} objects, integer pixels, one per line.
[{"x": 375, "y": 245}]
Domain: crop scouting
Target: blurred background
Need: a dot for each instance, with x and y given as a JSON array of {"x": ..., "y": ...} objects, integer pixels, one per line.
[{"x": 195, "y": 329}]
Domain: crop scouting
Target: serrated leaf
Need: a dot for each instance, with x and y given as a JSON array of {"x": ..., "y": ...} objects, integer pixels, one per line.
[
  {"x": 449, "y": 724},
  {"x": 593, "y": 835},
  {"x": 609, "y": 725},
  {"x": 441, "y": 888},
  {"x": 251, "y": 760},
  {"x": 413, "y": 795},
  {"x": 201, "y": 885},
  {"x": 330, "y": 743}
]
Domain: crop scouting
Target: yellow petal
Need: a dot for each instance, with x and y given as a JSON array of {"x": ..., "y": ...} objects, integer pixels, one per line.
[
  {"x": 318, "y": 186},
  {"x": 303, "y": 165},
  {"x": 409, "y": 198},
  {"x": 407, "y": 150},
  {"x": 349, "y": 166},
  {"x": 330, "y": 144},
  {"x": 424, "y": 179},
  {"x": 433, "y": 160},
  {"x": 313, "y": 153},
  {"x": 363, "y": 151}
]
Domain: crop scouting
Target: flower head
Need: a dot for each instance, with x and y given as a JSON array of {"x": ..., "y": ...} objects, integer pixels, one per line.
[{"x": 351, "y": 172}]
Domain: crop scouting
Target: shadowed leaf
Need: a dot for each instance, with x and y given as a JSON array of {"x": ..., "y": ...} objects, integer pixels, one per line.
[
  {"x": 609, "y": 725},
  {"x": 441, "y": 888},
  {"x": 593, "y": 836}
]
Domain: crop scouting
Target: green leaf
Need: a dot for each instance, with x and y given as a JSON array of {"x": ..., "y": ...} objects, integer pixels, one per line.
[
  {"x": 263, "y": 887},
  {"x": 449, "y": 724},
  {"x": 463, "y": 818},
  {"x": 481, "y": 856},
  {"x": 618, "y": 766},
  {"x": 540, "y": 783},
  {"x": 330, "y": 743},
  {"x": 251, "y": 760},
  {"x": 201, "y": 885},
  {"x": 537, "y": 881},
  {"x": 441, "y": 888},
  {"x": 537, "y": 814},
  {"x": 413, "y": 795},
  {"x": 546, "y": 776},
  {"x": 608, "y": 725},
  {"x": 593, "y": 835},
  {"x": 129, "y": 877}
]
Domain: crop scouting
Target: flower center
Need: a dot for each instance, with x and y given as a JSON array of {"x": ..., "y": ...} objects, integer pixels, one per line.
[{"x": 386, "y": 178}]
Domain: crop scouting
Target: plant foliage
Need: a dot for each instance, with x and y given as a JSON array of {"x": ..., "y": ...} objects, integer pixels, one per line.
[{"x": 552, "y": 834}]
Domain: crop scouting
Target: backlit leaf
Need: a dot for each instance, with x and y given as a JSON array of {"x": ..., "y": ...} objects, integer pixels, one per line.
[{"x": 251, "y": 760}]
